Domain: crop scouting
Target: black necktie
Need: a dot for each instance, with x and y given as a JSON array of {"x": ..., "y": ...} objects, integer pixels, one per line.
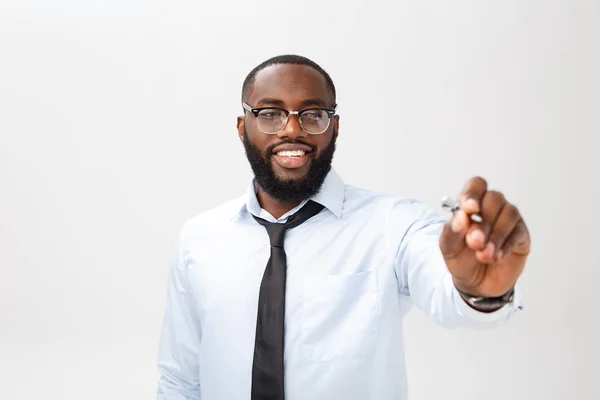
[{"x": 267, "y": 367}]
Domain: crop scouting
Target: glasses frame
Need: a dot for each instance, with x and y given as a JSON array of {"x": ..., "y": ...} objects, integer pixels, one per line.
[{"x": 330, "y": 113}]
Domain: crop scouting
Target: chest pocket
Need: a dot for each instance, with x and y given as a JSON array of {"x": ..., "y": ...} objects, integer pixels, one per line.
[{"x": 340, "y": 316}]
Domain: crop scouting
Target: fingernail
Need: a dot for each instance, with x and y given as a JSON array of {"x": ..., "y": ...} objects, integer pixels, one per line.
[
  {"x": 477, "y": 236},
  {"x": 471, "y": 204}
]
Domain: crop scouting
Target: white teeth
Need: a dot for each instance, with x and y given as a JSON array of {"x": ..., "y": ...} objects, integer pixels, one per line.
[{"x": 291, "y": 153}]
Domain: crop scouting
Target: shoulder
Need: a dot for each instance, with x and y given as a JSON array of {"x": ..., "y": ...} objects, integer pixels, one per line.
[
  {"x": 357, "y": 196},
  {"x": 212, "y": 220},
  {"x": 399, "y": 211}
]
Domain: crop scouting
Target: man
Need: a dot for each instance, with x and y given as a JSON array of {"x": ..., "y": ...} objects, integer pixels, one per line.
[{"x": 298, "y": 288}]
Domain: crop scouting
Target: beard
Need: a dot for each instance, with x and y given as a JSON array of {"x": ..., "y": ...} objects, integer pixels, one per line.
[{"x": 288, "y": 190}]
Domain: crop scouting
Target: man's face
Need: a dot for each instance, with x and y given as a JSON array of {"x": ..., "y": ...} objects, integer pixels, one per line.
[{"x": 292, "y": 164}]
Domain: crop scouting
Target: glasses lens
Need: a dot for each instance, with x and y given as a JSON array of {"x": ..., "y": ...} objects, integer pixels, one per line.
[
  {"x": 271, "y": 120},
  {"x": 314, "y": 121}
]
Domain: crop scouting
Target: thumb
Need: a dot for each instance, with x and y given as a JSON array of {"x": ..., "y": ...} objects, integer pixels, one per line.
[{"x": 452, "y": 239}]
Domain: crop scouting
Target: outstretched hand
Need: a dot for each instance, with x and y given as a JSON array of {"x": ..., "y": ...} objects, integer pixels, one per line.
[{"x": 485, "y": 259}]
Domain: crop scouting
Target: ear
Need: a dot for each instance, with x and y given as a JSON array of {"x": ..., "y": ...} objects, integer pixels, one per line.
[
  {"x": 336, "y": 125},
  {"x": 240, "y": 127}
]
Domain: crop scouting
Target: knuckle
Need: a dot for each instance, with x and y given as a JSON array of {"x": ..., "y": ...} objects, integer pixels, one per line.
[
  {"x": 520, "y": 233},
  {"x": 479, "y": 181},
  {"x": 475, "y": 188},
  {"x": 509, "y": 243},
  {"x": 496, "y": 238},
  {"x": 495, "y": 196},
  {"x": 513, "y": 211}
]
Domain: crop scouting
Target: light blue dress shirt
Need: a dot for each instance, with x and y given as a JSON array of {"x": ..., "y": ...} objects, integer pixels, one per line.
[{"x": 353, "y": 273}]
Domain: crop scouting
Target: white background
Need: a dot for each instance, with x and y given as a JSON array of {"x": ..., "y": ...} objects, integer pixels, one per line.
[{"x": 117, "y": 124}]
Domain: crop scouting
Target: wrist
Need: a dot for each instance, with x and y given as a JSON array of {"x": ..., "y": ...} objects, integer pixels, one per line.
[
  {"x": 486, "y": 304},
  {"x": 468, "y": 288},
  {"x": 479, "y": 289}
]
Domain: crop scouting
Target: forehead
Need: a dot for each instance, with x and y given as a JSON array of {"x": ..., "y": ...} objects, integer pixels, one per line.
[{"x": 290, "y": 83}]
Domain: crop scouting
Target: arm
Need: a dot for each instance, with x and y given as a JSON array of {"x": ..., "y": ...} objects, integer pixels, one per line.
[
  {"x": 180, "y": 339},
  {"x": 423, "y": 275}
]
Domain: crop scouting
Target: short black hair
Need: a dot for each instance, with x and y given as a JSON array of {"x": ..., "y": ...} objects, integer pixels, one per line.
[{"x": 287, "y": 59}]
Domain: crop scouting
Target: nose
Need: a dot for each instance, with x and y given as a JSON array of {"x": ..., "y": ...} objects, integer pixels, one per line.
[{"x": 292, "y": 129}]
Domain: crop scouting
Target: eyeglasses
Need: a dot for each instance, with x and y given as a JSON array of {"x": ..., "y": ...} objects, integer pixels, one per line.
[{"x": 272, "y": 120}]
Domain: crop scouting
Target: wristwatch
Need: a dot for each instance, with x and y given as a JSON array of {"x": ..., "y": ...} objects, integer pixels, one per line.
[{"x": 488, "y": 304}]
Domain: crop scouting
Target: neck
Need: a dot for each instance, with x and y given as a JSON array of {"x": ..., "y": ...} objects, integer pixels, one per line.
[{"x": 273, "y": 206}]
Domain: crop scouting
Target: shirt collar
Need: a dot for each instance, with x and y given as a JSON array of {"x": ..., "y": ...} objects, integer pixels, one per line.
[{"x": 331, "y": 196}]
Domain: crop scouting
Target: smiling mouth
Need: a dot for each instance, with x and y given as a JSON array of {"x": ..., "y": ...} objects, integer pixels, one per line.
[
  {"x": 291, "y": 159},
  {"x": 291, "y": 153}
]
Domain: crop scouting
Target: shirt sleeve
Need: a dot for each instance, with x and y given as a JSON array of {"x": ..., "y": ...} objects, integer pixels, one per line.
[
  {"x": 422, "y": 273},
  {"x": 179, "y": 346}
]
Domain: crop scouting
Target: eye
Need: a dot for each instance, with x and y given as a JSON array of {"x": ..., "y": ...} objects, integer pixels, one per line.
[
  {"x": 270, "y": 113},
  {"x": 314, "y": 115}
]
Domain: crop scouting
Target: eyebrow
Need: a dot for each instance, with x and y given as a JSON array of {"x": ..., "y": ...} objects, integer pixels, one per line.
[
  {"x": 303, "y": 103},
  {"x": 270, "y": 101},
  {"x": 313, "y": 102}
]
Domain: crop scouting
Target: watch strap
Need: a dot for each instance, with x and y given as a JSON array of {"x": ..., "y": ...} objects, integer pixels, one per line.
[{"x": 488, "y": 303}]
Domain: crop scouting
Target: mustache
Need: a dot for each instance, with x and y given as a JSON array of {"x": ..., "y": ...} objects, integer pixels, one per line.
[{"x": 269, "y": 151}]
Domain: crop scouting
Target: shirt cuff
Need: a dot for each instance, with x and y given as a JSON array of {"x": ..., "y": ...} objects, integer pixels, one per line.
[{"x": 483, "y": 319}]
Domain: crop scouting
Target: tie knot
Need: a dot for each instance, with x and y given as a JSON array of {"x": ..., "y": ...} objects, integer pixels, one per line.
[{"x": 276, "y": 231}]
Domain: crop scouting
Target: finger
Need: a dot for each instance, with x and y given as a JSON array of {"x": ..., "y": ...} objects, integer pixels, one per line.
[
  {"x": 517, "y": 241},
  {"x": 460, "y": 223},
  {"x": 471, "y": 195},
  {"x": 452, "y": 239},
  {"x": 503, "y": 227},
  {"x": 491, "y": 206}
]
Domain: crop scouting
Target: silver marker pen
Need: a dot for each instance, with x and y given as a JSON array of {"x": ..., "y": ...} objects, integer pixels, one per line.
[{"x": 452, "y": 205}]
